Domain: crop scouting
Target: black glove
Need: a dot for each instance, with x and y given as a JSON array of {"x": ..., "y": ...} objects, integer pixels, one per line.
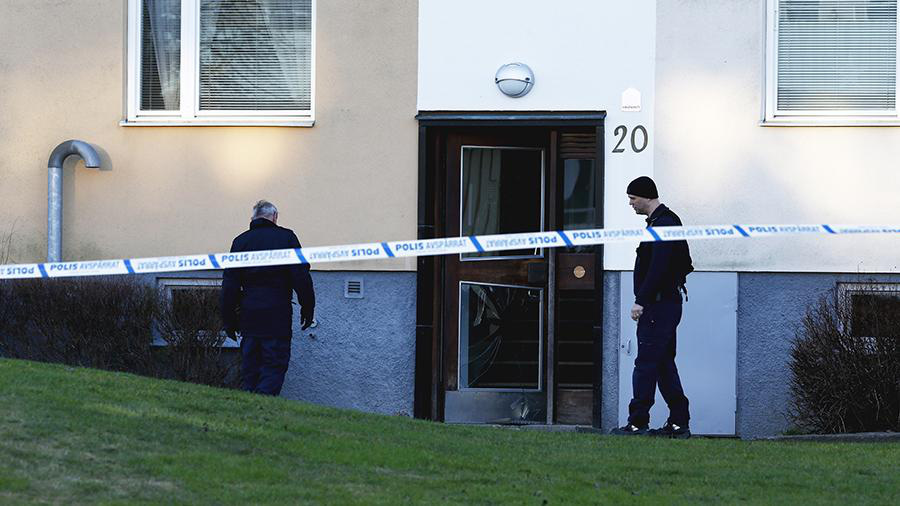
[
  {"x": 306, "y": 318},
  {"x": 232, "y": 334}
]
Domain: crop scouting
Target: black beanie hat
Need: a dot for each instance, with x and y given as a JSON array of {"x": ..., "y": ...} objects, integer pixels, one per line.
[{"x": 643, "y": 187}]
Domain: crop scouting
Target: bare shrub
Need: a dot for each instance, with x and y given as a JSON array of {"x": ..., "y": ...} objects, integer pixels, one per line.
[
  {"x": 7, "y": 303},
  {"x": 845, "y": 363},
  {"x": 110, "y": 323},
  {"x": 191, "y": 324},
  {"x": 104, "y": 323},
  {"x": 6, "y": 247},
  {"x": 9, "y": 315}
]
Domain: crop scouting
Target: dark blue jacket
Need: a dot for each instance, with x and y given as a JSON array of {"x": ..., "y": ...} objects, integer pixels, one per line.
[
  {"x": 656, "y": 271},
  {"x": 257, "y": 300}
]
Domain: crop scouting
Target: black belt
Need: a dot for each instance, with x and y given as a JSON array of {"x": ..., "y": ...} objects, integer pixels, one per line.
[{"x": 669, "y": 295}]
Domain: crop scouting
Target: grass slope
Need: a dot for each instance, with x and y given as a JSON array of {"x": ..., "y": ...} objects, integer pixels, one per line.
[{"x": 72, "y": 435}]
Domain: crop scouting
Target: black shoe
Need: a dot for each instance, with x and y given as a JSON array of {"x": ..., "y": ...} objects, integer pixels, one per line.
[
  {"x": 629, "y": 430},
  {"x": 671, "y": 430}
]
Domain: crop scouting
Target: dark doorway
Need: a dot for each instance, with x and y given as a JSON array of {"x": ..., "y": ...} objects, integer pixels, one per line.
[{"x": 509, "y": 337}]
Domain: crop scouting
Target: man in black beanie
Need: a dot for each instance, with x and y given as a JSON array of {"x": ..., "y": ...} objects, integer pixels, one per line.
[{"x": 659, "y": 276}]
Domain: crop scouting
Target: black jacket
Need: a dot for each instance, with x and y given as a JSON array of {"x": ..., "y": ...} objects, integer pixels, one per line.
[
  {"x": 656, "y": 271},
  {"x": 257, "y": 300}
]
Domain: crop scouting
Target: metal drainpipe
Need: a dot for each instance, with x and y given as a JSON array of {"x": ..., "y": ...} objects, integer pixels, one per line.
[{"x": 54, "y": 190}]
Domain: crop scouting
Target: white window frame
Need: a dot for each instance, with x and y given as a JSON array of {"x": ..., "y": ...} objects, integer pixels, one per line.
[
  {"x": 166, "y": 285},
  {"x": 774, "y": 117},
  {"x": 190, "y": 113}
]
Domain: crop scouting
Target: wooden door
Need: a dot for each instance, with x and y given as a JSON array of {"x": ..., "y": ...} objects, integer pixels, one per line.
[{"x": 496, "y": 310}]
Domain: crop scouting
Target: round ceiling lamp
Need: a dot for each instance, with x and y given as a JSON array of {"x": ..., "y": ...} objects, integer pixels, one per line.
[{"x": 514, "y": 79}]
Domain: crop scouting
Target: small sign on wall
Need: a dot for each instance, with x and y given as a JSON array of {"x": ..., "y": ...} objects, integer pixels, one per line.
[{"x": 631, "y": 100}]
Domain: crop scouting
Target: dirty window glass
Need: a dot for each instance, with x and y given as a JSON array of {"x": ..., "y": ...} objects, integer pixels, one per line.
[{"x": 499, "y": 337}]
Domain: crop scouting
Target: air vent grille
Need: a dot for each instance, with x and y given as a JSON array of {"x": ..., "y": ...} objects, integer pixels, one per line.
[
  {"x": 354, "y": 288},
  {"x": 578, "y": 145}
]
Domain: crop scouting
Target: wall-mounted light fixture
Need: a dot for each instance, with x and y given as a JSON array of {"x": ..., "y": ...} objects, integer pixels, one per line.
[{"x": 514, "y": 79}]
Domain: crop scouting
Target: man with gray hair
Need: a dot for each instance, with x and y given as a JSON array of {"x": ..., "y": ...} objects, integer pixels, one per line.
[{"x": 257, "y": 302}]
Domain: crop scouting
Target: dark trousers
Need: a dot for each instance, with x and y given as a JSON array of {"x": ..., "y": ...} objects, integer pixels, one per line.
[
  {"x": 655, "y": 365},
  {"x": 264, "y": 360}
]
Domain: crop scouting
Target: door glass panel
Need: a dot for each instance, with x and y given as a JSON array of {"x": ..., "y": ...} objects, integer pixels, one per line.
[
  {"x": 579, "y": 197},
  {"x": 502, "y": 193},
  {"x": 500, "y": 335}
]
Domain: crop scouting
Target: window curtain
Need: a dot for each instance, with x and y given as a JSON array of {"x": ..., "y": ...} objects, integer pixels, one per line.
[
  {"x": 481, "y": 191},
  {"x": 162, "y": 32}
]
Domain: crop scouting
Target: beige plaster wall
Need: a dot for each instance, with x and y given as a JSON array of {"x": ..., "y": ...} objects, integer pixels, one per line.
[
  {"x": 715, "y": 164},
  {"x": 179, "y": 190}
]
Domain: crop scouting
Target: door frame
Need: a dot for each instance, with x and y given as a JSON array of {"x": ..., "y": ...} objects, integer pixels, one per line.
[{"x": 430, "y": 283}]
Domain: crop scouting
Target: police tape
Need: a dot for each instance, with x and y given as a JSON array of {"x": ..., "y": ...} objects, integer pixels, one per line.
[{"x": 424, "y": 247}]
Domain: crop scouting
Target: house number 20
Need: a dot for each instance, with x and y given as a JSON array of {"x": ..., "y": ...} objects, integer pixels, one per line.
[{"x": 635, "y": 138}]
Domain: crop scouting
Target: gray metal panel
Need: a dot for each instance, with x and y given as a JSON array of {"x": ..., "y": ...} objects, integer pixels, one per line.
[
  {"x": 706, "y": 353},
  {"x": 495, "y": 407},
  {"x": 611, "y": 331}
]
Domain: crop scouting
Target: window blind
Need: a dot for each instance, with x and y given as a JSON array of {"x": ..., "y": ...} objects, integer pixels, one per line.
[
  {"x": 836, "y": 55},
  {"x": 255, "y": 55}
]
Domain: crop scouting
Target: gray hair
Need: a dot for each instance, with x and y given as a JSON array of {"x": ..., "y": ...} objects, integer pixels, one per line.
[{"x": 264, "y": 209}]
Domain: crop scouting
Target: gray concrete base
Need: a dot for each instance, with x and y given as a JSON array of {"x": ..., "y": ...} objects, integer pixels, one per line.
[
  {"x": 770, "y": 309},
  {"x": 540, "y": 427},
  {"x": 361, "y": 355},
  {"x": 859, "y": 437}
]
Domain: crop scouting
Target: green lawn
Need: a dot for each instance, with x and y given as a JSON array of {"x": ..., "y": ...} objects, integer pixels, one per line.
[{"x": 71, "y": 435}]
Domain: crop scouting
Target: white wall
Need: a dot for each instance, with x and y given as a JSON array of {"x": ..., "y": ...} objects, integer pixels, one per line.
[
  {"x": 584, "y": 54},
  {"x": 716, "y": 164}
]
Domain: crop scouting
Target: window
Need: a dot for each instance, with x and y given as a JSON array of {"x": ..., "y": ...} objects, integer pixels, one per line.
[
  {"x": 500, "y": 336},
  {"x": 194, "y": 308},
  {"x": 577, "y": 157},
  {"x": 832, "y": 61},
  {"x": 502, "y": 192},
  {"x": 227, "y": 62},
  {"x": 873, "y": 309}
]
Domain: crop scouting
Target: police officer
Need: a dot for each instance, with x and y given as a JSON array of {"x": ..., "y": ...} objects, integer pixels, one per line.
[
  {"x": 659, "y": 274},
  {"x": 257, "y": 301}
]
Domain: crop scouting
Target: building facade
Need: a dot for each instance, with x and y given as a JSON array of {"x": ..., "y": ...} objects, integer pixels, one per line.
[
  {"x": 337, "y": 154},
  {"x": 751, "y": 111},
  {"x": 755, "y": 111}
]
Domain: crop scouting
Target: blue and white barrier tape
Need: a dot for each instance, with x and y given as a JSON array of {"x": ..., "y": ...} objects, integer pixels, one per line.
[{"x": 426, "y": 247}]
